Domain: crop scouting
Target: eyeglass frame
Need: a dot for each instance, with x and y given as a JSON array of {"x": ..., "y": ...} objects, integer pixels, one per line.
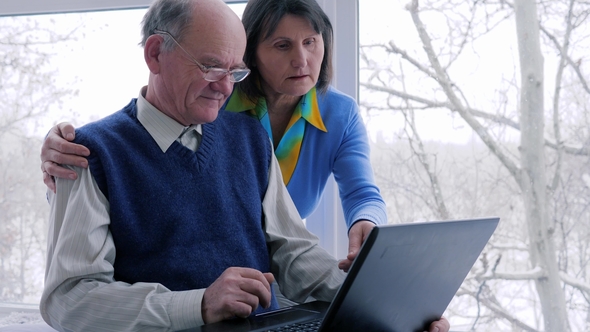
[{"x": 205, "y": 69}]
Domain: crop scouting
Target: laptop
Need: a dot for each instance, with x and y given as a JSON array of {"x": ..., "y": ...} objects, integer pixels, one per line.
[{"x": 403, "y": 278}]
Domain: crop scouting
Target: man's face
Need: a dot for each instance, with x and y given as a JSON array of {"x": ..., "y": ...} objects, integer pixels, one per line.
[{"x": 183, "y": 92}]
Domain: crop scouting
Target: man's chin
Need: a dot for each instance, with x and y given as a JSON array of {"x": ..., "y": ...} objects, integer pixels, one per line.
[
  {"x": 205, "y": 112},
  {"x": 210, "y": 115}
]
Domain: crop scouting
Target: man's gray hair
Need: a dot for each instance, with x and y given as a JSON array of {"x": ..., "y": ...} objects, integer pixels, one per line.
[{"x": 172, "y": 16}]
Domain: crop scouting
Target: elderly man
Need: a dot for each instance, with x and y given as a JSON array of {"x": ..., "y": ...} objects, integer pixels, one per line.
[{"x": 182, "y": 217}]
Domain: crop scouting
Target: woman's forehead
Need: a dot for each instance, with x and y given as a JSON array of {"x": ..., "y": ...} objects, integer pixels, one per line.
[{"x": 271, "y": 26}]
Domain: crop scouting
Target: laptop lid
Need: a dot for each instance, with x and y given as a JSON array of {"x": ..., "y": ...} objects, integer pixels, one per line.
[
  {"x": 404, "y": 278},
  {"x": 407, "y": 274}
]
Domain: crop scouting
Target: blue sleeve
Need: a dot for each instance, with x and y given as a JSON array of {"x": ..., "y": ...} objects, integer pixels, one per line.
[{"x": 353, "y": 172}]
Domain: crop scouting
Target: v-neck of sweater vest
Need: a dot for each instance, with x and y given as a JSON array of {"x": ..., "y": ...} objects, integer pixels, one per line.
[{"x": 206, "y": 148}]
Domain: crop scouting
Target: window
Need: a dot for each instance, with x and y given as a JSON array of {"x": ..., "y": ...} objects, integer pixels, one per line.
[
  {"x": 462, "y": 127},
  {"x": 78, "y": 65},
  {"x": 74, "y": 67},
  {"x": 451, "y": 135}
]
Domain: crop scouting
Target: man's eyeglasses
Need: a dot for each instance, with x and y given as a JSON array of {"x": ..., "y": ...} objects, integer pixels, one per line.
[{"x": 212, "y": 74}]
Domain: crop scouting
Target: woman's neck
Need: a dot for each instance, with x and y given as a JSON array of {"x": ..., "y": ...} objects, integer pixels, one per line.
[
  {"x": 281, "y": 104},
  {"x": 280, "y": 110}
]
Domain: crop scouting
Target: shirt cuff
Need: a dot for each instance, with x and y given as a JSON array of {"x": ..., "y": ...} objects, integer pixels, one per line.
[{"x": 185, "y": 309}]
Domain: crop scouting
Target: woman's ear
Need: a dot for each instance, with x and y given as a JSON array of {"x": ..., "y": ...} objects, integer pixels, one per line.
[{"x": 151, "y": 52}]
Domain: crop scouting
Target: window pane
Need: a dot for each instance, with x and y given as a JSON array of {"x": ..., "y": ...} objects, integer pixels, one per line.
[
  {"x": 75, "y": 67},
  {"x": 461, "y": 127}
]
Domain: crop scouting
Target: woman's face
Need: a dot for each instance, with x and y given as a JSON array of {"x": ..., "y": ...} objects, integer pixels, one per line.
[{"x": 289, "y": 61}]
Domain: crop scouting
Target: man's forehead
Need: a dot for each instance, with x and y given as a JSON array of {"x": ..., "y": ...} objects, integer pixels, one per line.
[
  {"x": 214, "y": 13},
  {"x": 231, "y": 62},
  {"x": 217, "y": 44}
]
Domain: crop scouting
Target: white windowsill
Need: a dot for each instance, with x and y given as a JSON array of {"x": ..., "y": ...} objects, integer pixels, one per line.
[{"x": 7, "y": 308}]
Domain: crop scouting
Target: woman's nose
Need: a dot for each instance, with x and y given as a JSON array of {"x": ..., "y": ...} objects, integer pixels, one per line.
[{"x": 298, "y": 57}]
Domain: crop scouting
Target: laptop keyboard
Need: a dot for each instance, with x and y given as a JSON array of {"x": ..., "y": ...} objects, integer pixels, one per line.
[{"x": 313, "y": 325}]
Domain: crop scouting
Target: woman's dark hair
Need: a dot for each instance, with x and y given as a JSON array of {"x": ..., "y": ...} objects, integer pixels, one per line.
[{"x": 261, "y": 18}]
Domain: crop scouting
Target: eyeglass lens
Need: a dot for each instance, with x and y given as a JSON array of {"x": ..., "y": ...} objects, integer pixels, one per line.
[
  {"x": 211, "y": 74},
  {"x": 215, "y": 74}
]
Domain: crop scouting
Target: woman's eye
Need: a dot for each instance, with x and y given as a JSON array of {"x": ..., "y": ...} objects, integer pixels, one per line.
[{"x": 282, "y": 46}]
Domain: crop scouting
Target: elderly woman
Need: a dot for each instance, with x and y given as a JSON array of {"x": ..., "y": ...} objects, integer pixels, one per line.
[{"x": 316, "y": 130}]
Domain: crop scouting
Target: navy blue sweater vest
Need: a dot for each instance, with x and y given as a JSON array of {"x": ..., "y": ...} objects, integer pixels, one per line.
[{"x": 181, "y": 218}]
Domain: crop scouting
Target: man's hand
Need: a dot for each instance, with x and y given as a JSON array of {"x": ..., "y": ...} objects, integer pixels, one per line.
[
  {"x": 356, "y": 236},
  {"x": 441, "y": 325},
  {"x": 57, "y": 149},
  {"x": 237, "y": 292}
]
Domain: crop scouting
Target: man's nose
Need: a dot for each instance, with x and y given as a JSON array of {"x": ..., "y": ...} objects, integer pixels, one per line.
[{"x": 224, "y": 85}]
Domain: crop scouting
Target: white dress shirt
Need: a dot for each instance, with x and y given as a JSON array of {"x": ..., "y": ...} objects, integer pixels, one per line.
[{"x": 80, "y": 291}]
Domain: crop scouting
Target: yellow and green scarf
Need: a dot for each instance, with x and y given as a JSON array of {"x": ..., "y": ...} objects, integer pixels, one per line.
[{"x": 287, "y": 152}]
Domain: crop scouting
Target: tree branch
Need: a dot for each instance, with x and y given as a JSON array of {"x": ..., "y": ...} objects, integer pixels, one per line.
[
  {"x": 582, "y": 286},
  {"x": 584, "y": 150},
  {"x": 447, "y": 87},
  {"x": 534, "y": 274},
  {"x": 557, "y": 93},
  {"x": 571, "y": 62},
  {"x": 410, "y": 59},
  {"x": 435, "y": 188},
  {"x": 493, "y": 304}
]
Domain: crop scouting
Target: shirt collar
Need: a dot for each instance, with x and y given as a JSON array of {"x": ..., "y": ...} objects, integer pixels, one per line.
[
  {"x": 310, "y": 111},
  {"x": 161, "y": 127}
]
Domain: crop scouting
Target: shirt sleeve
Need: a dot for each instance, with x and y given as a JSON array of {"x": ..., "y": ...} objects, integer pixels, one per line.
[
  {"x": 80, "y": 291},
  {"x": 302, "y": 268},
  {"x": 360, "y": 196}
]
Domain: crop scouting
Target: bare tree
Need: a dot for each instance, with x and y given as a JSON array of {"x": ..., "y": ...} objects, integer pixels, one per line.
[{"x": 528, "y": 173}]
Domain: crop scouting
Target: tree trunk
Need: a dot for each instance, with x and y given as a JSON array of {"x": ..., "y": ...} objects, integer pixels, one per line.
[{"x": 533, "y": 180}]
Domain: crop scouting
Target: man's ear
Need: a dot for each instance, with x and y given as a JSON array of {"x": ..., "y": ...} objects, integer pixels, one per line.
[{"x": 151, "y": 52}]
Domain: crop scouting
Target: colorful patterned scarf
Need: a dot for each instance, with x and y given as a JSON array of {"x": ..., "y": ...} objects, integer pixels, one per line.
[{"x": 287, "y": 152}]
